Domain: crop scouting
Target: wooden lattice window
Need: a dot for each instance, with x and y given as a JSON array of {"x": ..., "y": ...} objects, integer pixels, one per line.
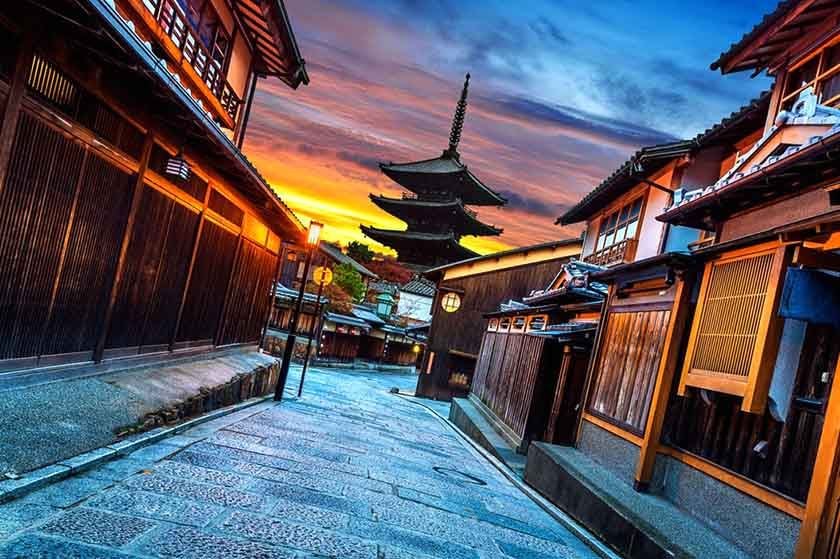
[
  {"x": 518, "y": 324},
  {"x": 735, "y": 333},
  {"x": 493, "y": 325}
]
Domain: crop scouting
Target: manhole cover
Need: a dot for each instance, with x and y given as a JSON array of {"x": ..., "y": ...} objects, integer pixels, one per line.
[{"x": 459, "y": 476}]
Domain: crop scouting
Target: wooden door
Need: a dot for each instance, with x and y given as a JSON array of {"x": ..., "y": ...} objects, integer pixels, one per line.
[{"x": 567, "y": 403}]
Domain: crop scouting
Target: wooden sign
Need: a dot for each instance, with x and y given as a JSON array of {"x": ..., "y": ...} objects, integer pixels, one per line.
[{"x": 322, "y": 276}]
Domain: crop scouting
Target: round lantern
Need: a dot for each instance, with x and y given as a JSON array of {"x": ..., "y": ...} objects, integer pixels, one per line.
[{"x": 450, "y": 302}]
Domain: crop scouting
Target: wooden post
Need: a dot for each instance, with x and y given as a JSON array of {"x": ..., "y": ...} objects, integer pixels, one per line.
[
  {"x": 11, "y": 112},
  {"x": 559, "y": 391},
  {"x": 812, "y": 536},
  {"x": 129, "y": 228},
  {"x": 662, "y": 388}
]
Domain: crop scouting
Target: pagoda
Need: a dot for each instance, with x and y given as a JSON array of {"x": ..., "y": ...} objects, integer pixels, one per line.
[{"x": 436, "y": 210}]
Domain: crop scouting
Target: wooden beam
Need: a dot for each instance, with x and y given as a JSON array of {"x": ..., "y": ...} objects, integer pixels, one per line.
[
  {"x": 662, "y": 389},
  {"x": 811, "y": 258},
  {"x": 129, "y": 228},
  {"x": 11, "y": 112},
  {"x": 812, "y": 536}
]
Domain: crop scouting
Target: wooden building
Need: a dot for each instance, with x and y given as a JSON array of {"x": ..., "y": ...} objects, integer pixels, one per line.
[
  {"x": 131, "y": 222},
  {"x": 466, "y": 291},
  {"x": 713, "y": 375},
  {"x": 531, "y": 368}
]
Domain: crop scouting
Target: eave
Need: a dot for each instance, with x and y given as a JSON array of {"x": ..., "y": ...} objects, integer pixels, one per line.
[
  {"x": 444, "y": 244},
  {"x": 442, "y": 174},
  {"x": 462, "y": 220}
]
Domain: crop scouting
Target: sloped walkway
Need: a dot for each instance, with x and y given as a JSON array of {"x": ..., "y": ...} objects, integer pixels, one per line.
[
  {"x": 348, "y": 471},
  {"x": 46, "y": 423}
]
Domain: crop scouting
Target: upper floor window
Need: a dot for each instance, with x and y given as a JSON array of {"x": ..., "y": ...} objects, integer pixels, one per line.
[
  {"x": 822, "y": 72},
  {"x": 619, "y": 225}
]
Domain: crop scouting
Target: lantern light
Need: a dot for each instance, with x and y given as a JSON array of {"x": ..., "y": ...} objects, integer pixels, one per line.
[
  {"x": 178, "y": 167},
  {"x": 314, "y": 233},
  {"x": 416, "y": 348},
  {"x": 451, "y": 302}
]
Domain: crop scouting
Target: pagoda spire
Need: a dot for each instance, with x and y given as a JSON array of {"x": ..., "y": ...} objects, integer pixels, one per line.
[{"x": 458, "y": 121}]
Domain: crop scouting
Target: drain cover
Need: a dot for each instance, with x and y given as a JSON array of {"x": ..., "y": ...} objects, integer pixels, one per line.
[{"x": 459, "y": 476}]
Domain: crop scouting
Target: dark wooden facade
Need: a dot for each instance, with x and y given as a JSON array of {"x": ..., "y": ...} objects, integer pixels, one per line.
[
  {"x": 102, "y": 255},
  {"x": 455, "y": 338}
]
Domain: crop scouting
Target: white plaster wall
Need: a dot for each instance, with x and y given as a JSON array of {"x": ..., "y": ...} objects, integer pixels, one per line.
[
  {"x": 415, "y": 306},
  {"x": 650, "y": 234}
]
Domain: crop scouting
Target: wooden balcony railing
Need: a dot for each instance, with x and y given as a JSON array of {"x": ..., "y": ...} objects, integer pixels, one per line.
[
  {"x": 174, "y": 23},
  {"x": 619, "y": 253}
]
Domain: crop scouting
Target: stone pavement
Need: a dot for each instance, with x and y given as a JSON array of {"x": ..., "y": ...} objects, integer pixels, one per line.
[{"x": 348, "y": 471}]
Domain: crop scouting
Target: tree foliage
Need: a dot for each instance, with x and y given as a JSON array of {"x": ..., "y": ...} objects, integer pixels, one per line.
[
  {"x": 388, "y": 269},
  {"x": 347, "y": 278},
  {"x": 359, "y": 252}
]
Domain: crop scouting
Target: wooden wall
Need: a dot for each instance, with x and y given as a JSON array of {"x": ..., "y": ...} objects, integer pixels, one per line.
[
  {"x": 625, "y": 374},
  {"x": 506, "y": 376},
  {"x": 716, "y": 428},
  {"x": 94, "y": 259},
  {"x": 339, "y": 347},
  {"x": 462, "y": 330}
]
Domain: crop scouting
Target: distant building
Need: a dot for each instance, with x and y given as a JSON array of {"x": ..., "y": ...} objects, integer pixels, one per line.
[
  {"x": 415, "y": 300},
  {"x": 436, "y": 213}
]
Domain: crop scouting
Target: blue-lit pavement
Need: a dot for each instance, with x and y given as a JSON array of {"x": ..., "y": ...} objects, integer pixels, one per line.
[{"x": 348, "y": 471}]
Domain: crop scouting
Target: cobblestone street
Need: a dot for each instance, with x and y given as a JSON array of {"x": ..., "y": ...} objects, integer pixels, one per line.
[{"x": 348, "y": 471}]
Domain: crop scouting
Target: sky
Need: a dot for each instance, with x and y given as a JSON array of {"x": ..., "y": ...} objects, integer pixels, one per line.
[{"x": 562, "y": 92}]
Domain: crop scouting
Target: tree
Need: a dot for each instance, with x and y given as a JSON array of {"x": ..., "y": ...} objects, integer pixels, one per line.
[
  {"x": 359, "y": 252},
  {"x": 388, "y": 269},
  {"x": 347, "y": 278}
]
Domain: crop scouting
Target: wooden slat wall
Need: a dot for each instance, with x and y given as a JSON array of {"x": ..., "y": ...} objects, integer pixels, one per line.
[
  {"x": 339, "y": 347},
  {"x": 206, "y": 292},
  {"x": 249, "y": 292},
  {"x": 156, "y": 266},
  {"x": 506, "y": 375},
  {"x": 626, "y": 374},
  {"x": 720, "y": 431}
]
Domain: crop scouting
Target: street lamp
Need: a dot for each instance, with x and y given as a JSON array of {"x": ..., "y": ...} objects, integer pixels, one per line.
[{"x": 312, "y": 240}]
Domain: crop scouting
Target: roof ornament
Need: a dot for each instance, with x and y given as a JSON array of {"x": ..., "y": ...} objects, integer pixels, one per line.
[{"x": 458, "y": 122}]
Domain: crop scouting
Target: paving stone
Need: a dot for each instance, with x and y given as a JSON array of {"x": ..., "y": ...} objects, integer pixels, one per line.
[
  {"x": 17, "y": 515},
  {"x": 35, "y": 546},
  {"x": 117, "y": 470},
  {"x": 158, "y": 507},
  {"x": 212, "y": 494},
  {"x": 519, "y": 552},
  {"x": 262, "y": 485},
  {"x": 200, "y": 474},
  {"x": 304, "y": 514},
  {"x": 190, "y": 543},
  {"x": 97, "y": 527},
  {"x": 67, "y": 492},
  {"x": 155, "y": 452},
  {"x": 412, "y": 541},
  {"x": 278, "y": 532},
  {"x": 322, "y": 500}
]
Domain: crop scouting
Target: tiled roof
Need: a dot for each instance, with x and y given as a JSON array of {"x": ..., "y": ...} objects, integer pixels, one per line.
[
  {"x": 806, "y": 111},
  {"x": 419, "y": 286},
  {"x": 346, "y": 320}
]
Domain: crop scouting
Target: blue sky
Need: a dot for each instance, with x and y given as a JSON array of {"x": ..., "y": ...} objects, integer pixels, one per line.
[{"x": 562, "y": 92}]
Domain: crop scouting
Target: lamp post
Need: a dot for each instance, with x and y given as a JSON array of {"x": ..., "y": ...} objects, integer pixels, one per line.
[
  {"x": 322, "y": 276},
  {"x": 312, "y": 240}
]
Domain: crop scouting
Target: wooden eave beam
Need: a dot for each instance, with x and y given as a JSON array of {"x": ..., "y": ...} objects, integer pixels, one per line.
[
  {"x": 767, "y": 33},
  {"x": 811, "y": 258},
  {"x": 815, "y": 36}
]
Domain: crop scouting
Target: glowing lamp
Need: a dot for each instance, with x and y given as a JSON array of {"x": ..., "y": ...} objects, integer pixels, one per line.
[
  {"x": 451, "y": 302},
  {"x": 314, "y": 234},
  {"x": 416, "y": 348},
  {"x": 178, "y": 167}
]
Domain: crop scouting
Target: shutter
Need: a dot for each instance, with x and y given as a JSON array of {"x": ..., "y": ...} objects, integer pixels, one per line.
[{"x": 735, "y": 333}]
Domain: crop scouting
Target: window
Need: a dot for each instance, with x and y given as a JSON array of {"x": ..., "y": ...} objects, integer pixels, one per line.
[
  {"x": 736, "y": 331},
  {"x": 504, "y": 325},
  {"x": 537, "y": 323},
  {"x": 822, "y": 72},
  {"x": 620, "y": 225},
  {"x": 493, "y": 325},
  {"x": 518, "y": 324}
]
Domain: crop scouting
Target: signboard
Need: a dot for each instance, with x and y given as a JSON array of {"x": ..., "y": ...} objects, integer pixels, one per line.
[{"x": 322, "y": 276}]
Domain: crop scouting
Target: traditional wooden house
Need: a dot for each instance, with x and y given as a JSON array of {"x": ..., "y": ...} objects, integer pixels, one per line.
[
  {"x": 131, "y": 222},
  {"x": 531, "y": 367},
  {"x": 467, "y": 290},
  {"x": 712, "y": 385}
]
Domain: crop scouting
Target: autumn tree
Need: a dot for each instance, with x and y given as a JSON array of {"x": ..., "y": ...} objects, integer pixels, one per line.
[
  {"x": 359, "y": 252},
  {"x": 347, "y": 278},
  {"x": 388, "y": 269}
]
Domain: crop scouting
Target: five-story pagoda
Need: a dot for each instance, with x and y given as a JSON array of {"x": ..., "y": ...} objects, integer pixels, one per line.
[{"x": 436, "y": 210}]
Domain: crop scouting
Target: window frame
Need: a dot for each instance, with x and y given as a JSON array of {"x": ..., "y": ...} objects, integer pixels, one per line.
[
  {"x": 619, "y": 219},
  {"x": 821, "y": 77}
]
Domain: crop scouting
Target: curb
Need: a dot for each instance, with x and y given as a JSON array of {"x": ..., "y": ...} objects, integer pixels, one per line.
[
  {"x": 37, "y": 479},
  {"x": 557, "y": 514}
]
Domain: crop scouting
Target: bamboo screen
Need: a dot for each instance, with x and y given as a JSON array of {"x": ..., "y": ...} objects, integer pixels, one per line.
[{"x": 732, "y": 326}]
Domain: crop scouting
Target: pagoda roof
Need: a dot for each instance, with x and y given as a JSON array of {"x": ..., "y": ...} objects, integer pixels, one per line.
[
  {"x": 453, "y": 212},
  {"x": 444, "y": 173},
  {"x": 442, "y": 245}
]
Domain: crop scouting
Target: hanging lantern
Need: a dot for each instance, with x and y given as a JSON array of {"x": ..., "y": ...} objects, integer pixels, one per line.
[
  {"x": 451, "y": 302},
  {"x": 178, "y": 167}
]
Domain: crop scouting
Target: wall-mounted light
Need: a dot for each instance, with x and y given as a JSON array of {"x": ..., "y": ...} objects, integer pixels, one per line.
[
  {"x": 450, "y": 302},
  {"x": 178, "y": 167}
]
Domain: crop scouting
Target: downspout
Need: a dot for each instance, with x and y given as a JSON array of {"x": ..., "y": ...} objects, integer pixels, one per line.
[{"x": 240, "y": 140}]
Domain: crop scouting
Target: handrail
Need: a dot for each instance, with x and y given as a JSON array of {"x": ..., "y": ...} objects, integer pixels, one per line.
[
  {"x": 619, "y": 253},
  {"x": 176, "y": 26}
]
